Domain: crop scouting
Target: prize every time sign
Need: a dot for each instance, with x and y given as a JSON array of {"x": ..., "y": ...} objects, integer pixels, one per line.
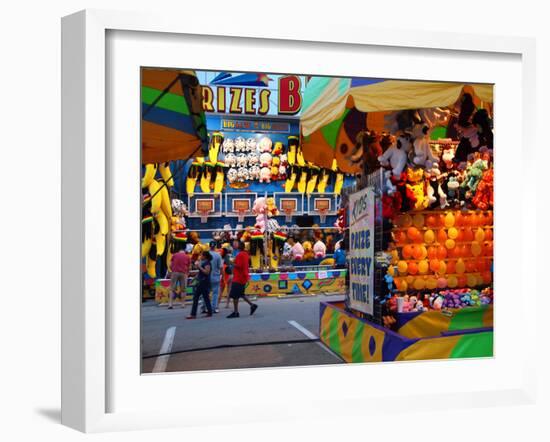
[
  {"x": 361, "y": 251},
  {"x": 241, "y": 100}
]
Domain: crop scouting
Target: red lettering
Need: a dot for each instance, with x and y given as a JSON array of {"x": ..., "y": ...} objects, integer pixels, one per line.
[{"x": 290, "y": 98}]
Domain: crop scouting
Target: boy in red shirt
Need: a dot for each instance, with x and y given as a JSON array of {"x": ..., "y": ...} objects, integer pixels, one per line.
[
  {"x": 240, "y": 279},
  {"x": 179, "y": 266}
]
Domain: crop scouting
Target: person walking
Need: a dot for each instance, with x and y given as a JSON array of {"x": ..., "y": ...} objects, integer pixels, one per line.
[
  {"x": 202, "y": 287},
  {"x": 179, "y": 266},
  {"x": 240, "y": 279},
  {"x": 215, "y": 275},
  {"x": 227, "y": 273}
]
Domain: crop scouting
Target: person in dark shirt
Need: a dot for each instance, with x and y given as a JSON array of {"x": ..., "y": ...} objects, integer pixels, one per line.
[{"x": 202, "y": 287}]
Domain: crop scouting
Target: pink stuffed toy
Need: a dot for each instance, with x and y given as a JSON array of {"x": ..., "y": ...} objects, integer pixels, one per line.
[
  {"x": 297, "y": 251},
  {"x": 265, "y": 175},
  {"x": 259, "y": 209},
  {"x": 319, "y": 249}
]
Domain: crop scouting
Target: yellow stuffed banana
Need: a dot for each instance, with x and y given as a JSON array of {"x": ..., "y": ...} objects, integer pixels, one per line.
[
  {"x": 160, "y": 239},
  {"x": 300, "y": 157},
  {"x": 162, "y": 221},
  {"x": 216, "y": 141},
  {"x": 192, "y": 177},
  {"x": 206, "y": 178},
  {"x": 312, "y": 182},
  {"x": 289, "y": 183},
  {"x": 145, "y": 247},
  {"x": 292, "y": 148},
  {"x": 151, "y": 266},
  {"x": 338, "y": 183},
  {"x": 165, "y": 204},
  {"x": 220, "y": 178},
  {"x": 303, "y": 181},
  {"x": 323, "y": 181},
  {"x": 156, "y": 197},
  {"x": 151, "y": 261},
  {"x": 166, "y": 174},
  {"x": 149, "y": 175}
]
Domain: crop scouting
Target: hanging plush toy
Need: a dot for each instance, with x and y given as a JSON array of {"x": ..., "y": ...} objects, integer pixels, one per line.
[
  {"x": 251, "y": 144},
  {"x": 265, "y": 175},
  {"x": 372, "y": 150},
  {"x": 275, "y": 162},
  {"x": 228, "y": 145},
  {"x": 415, "y": 180},
  {"x": 265, "y": 145},
  {"x": 282, "y": 166},
  {"x": 219, "y": 180},
  {"x": 206, "y": 177},
  {"x": 338, "y": 178},
  {"x": 265, "y": 159},
  {"x": 312, "y": 179},
  {"x": 240, "y": 144},
  {"x": 232, "y": 175},
  {"x": 230, "y": 160},
  {"x": 483, "y": 198},
  {"x": 423, "y": 155},
  {"x": 242, "y": 160},
  {"x": 293, "y": 144},
  {"x": 254, "y": 172},
  {"x": 271, "y": 208},
  {"x": 277, "y": 148},
  {"x": 396, "y": 156},
  {"x": 216, "y": 141},
  {"x": 253, "y": 158},
  {"x": 473, "y": 176},
  {"x": 259, "y": 209},
  {"x": 291, "y": 179},
  {"x": 242, "y": 174},
  {"x": 193, "y": 175}
]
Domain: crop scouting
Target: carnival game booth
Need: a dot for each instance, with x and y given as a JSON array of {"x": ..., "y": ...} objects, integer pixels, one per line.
[
  {"x": 419, "y": 220},
  {"x": 252, "y": 184}
]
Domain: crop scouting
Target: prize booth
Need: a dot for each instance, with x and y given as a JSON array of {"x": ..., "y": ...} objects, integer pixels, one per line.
[
  {"x": 418, "y": 221},
  {"x": 252, "y": 184}
]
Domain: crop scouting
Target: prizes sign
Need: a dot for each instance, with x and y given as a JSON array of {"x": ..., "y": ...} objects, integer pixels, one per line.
[{"x": 361, "y": 250}]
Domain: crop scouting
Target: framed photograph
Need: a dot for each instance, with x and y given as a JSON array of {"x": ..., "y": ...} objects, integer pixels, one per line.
[{"x": 419, "y": 268}]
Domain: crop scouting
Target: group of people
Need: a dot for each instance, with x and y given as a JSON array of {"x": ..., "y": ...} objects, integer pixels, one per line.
[{"x": 216, "y": 273}]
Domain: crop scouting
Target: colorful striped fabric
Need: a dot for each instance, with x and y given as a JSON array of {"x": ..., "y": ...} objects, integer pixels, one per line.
[
  {"x": 329, "y": 103},
  {"x": 173, "y": 122}
]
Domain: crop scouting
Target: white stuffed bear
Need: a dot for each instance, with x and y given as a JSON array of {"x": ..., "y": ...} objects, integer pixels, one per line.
[
  {"x": 232, "y": 175},
  {"x": 423, "y": 155},
  {"x": 251, "y": 144},
  {"x": 242, "y": 174},
  {"x": 230, "y": 160},
  {"x": 253, "y": 158},
  {"x": 265, "y": 144},
  {"x": 254, "y": 172},
  {"x": 396, "y": 155},
  {"x": 228, "y": 145},
  {"x": 265, "y": 175},
  {"x": 242, "y": 160},
  {"x": 240, "y": 144},
  {"x": 265, "y": 159}
]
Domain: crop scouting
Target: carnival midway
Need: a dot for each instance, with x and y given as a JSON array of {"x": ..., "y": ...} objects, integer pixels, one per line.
[{"x": 292, "y": 220}]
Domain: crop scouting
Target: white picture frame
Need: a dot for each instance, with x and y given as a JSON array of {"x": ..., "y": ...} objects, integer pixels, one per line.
[{"x": 87, "y": 318}]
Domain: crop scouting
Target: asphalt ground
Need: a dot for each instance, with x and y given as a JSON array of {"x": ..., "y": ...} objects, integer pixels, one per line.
[{"x": 281, "y": 333}]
